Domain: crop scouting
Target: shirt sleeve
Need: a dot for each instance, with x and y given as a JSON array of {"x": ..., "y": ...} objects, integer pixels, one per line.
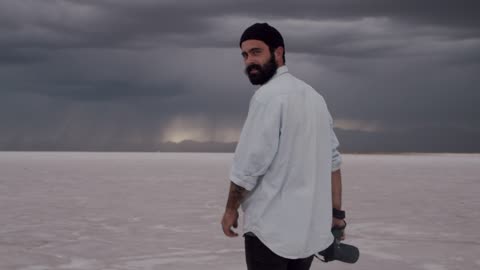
[
  {"x": 336, "y": 157},
  {"x": 258, "y": 143}
]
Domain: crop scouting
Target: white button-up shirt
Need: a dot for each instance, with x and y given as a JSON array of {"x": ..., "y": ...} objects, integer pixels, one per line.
[{"x": 285, "y": 156}]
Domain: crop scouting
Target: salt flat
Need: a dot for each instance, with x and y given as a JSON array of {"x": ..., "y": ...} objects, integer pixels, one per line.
[{"x": 65, "y": 210}]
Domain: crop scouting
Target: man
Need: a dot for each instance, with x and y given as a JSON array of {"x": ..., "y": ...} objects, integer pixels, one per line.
[{"x": 286, "y": 167}]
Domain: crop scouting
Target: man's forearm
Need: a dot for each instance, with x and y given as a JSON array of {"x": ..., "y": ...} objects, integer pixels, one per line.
[
  {"x": 337, "y": 189},
  {"x": 235, "y": 196}
]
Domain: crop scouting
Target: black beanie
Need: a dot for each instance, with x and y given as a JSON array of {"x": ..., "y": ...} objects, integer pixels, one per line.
[{"x": 265, "y": 33}]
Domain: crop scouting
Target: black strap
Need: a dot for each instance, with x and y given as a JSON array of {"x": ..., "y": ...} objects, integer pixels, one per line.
[{"x": 338, "y": 213}]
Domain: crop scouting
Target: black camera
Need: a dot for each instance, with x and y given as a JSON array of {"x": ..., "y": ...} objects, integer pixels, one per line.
[{"x": 338, "y": 251}]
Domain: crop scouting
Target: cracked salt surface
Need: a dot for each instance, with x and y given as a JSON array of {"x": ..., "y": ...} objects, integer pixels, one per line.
[{"x": 119, "y": 211}]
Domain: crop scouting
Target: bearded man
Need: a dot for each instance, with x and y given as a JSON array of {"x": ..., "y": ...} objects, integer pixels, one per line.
[{"x": 286, "y": 168}]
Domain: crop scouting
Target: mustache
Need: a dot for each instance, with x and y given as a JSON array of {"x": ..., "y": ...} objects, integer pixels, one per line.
[{"x": 252, "y": 67}]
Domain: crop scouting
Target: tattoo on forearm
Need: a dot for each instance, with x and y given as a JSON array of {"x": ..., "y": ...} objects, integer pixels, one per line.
[{"x": 236, "y": 196}]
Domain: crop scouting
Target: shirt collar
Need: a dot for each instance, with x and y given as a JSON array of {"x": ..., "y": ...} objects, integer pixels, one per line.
[{"x": 281, "y": 70}]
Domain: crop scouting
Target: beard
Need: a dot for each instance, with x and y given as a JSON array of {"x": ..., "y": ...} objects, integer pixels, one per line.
[{"x": 264, "y": 72}]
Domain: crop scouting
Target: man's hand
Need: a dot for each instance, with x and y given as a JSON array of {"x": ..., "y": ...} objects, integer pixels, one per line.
[
  {"x": 339, "y": 223},
  {"x": 229, "y": 220}
]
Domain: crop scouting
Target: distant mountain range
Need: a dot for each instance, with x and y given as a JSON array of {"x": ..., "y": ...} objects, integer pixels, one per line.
[
  {"x": 420, "y": 140},
  {"x": 194, "y": 146}
]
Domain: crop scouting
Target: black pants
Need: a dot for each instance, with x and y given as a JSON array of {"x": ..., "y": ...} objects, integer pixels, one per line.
[{"x": 260, "y": 257}]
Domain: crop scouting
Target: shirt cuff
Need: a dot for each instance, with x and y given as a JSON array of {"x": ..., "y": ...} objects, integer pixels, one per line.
[{"x": 247, "y": 182}]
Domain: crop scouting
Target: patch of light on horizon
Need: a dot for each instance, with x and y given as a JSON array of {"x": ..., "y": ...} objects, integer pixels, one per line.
[
  {"x": 358, "y": 125},
  {"x": 198, "y": 128},
  {"x": 183, "y": 128}
]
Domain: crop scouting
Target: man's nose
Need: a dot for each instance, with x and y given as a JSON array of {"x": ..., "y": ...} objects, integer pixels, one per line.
[{"x": 249, "y": 61}]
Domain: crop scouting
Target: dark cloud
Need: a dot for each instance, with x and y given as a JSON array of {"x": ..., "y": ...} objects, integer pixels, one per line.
[
  {"x": 104, "y": 74},
  {"x": 105, "y": 90},
  {"x": 100, "y": 24},
  {"x": 401, "y": 94},
  {"x": 19, "y": 57},
  {"x": 442, "y": 12}
]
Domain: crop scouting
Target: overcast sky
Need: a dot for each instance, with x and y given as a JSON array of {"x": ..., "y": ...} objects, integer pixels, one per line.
[{"x": 102, "y": 74}]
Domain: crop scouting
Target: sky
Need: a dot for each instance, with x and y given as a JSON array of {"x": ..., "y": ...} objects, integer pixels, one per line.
[{"x": 398, "y": 76}]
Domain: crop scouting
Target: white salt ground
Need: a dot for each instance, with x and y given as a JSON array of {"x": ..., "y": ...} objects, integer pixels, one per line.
[{"x": 64, "y": 210}]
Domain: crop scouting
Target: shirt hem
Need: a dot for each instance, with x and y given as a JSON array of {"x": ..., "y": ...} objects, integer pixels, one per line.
[{"x": 284, "y": 255}]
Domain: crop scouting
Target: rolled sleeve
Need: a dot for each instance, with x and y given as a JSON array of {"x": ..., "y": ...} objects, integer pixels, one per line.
[
  {"x": 258, "y": 143},
  {"x": 336, "y": 157},
  {"x": 245, "y": 181}
]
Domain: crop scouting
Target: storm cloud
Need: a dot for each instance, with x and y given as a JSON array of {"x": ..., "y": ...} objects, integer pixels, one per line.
[{"x": 134, "y": 75}]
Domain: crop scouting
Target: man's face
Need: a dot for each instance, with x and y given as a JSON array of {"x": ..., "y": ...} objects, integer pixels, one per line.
[{"x": 260, "y": 64}]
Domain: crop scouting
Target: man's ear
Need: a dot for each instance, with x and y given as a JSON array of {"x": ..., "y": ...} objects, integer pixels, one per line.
[{"x": 279, "y": 55}]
